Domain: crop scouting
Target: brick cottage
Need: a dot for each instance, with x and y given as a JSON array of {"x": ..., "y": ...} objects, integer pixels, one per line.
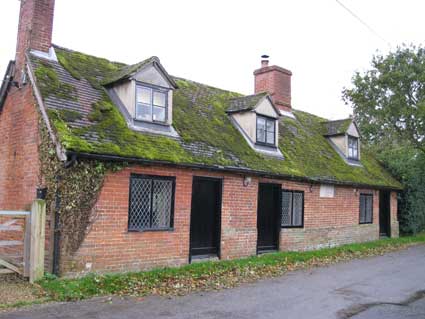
[{"x": 143, "y": 169}]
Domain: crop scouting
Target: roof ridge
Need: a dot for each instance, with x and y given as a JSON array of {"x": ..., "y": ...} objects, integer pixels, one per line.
[
  {"x": 88, "y": 54},
  {"x": 340, "y": 120},
  {"x": 249, "y": 95}
]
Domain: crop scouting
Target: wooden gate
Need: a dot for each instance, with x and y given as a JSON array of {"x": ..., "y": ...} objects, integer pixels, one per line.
[{"x": 22, "y": 236}]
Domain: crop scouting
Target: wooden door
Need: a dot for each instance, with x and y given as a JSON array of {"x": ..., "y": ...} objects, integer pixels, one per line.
[
  {"x": 268, "y": 217},
  {"x": 205, "y": 217}
]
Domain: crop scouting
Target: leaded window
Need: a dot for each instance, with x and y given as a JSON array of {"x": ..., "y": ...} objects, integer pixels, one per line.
[
  {"x": 151, "y": 104},
  {"x": 151, "y": 203},
  {"x": 292, "y": 208},
  {"x": 366, "y": 208},
  {"x": 353, "y": 147},
  {"x": 266, "y": 130}
]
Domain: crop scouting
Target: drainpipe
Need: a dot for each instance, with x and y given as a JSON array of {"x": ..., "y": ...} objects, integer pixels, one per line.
[{"x": 56, "y": 230}]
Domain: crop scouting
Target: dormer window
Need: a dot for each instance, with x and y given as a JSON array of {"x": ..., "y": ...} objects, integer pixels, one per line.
[
  {"x": 344, "y": 136},
  {"x": 151, "y": 104},
  {"x": 353, "y": 147},
  {"x": 266, "y": 130}
]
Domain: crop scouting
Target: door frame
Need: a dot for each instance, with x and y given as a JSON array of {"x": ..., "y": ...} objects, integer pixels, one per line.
[
  {"x": 387, "y": 195},
  {"x": 279, "y": 208},
  {"x": 219, "y": 212}
]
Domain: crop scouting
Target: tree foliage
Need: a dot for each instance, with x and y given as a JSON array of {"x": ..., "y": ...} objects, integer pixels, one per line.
[
  {"x": 389, "y": 99},
  {"x": 388, "y": 102}
]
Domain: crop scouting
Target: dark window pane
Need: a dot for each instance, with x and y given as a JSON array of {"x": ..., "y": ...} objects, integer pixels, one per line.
[
  {"x": 144, "y": 112},
  {"x": 352, "y": 147},
  {"x": 366, "y": 208},
  {"x": 159, "y": 114},
  {"x": 159, "y": 98},
  {"x": 151, "y": 202},
  {"x": 270, "y": 126},
  {"x": 140, "y": 205},
  {"x": 297, "y": 209},
  {"x": 161, "y": 203},
  {"x": 292, "y": 209},
  {"x": 270, "y": 137},
  {"x": 261, "y": 123},
  {"x": 286, "y": 208},
  {"x": 369, "y": 207},
  {"x": 143, "y": 95}
]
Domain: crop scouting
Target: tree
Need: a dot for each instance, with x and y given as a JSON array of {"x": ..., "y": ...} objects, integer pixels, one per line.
[
  {"x": 389, "y": 99},
  {"x": 389, "y": 106}
]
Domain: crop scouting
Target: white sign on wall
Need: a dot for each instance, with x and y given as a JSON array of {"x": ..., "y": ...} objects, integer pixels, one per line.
[{"x": 327, "y": 191}]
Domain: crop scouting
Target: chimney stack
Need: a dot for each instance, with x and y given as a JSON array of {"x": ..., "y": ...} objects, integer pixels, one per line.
[
  {"x": 35, "y": 28},
  {"x": 276, "y": 81}
]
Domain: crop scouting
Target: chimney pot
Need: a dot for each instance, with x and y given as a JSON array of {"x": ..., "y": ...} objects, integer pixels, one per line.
[{"x": 264, "y": 61}]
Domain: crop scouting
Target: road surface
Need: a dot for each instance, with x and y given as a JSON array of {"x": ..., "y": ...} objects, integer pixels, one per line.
[{"x": 389, "y": 286}]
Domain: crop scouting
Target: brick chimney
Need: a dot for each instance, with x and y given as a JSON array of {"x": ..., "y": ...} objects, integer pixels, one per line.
[
  {"x": 35, "y": 28},
  {"x": 276, "y": 81}
]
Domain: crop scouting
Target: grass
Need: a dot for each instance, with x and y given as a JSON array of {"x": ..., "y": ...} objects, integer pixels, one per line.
[{"x": 213, "y": 275}]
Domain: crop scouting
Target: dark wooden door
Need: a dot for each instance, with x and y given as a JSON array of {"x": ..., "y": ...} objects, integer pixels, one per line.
[
  {"x": 384, "y": 213},
  {"x": 205, "y": 217},
  {"x": 268, "y": 217}
]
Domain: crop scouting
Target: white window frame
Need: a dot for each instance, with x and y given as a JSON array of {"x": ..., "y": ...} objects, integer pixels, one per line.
[{"x": 152, "y": 91}]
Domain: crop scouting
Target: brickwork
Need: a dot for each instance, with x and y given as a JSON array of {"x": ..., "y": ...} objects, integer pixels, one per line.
[
  {"x": 19, "y": 161},
  {"x": 277, "y": 82},
  {"x": 109, "y": 247},
  {"x": 35, "y": 29}
]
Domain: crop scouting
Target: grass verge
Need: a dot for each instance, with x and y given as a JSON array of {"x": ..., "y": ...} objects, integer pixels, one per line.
[{"x": 213, "y": 275}]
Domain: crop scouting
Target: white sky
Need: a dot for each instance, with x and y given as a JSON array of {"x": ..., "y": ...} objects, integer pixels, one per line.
[{"x": 220, "y": 42}]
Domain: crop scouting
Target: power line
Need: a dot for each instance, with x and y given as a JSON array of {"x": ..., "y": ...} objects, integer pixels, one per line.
[{"x": 363, "y": 22}]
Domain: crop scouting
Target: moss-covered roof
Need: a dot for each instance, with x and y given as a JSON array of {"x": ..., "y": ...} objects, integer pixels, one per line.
[
  {"x": 245, "y": 103},
  {"x": 86, "y": 121},
  {"x": 337, "y": 127}
]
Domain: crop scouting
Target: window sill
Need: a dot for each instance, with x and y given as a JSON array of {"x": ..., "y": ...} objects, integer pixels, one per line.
[
  {"x": 151, "y": 122},
  {"x": 148, "y": 230},
  {"x": 302, "y": 226},
  {"x": 266, "y": 144},
  {"x": 366, "y": 223}
]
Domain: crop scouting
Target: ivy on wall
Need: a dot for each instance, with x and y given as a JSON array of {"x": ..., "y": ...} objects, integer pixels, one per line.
[{"x": 71, "y": 193}]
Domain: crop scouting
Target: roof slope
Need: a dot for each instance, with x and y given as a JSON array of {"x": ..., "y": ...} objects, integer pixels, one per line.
[
  {"x": 86, "y": 121},
  {"x": 337, "y": 127},
  {"x": 245, "y": 103}
]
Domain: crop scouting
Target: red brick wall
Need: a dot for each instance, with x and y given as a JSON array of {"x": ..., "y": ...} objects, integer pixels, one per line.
[
  {"x": 109, "y": 247},
  {"x": 35, "y": 29},
  {"x": 19, "y": 160},
  {"x": 277, "y": 82},
  {"x": 330, "y": 221}
]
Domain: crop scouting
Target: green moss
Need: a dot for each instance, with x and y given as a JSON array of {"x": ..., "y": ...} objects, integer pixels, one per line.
[
  {"x": 199, "y": 117},
  {"x": 49, "y": 84},
  {"x": 91, "y": 68},
  {"x": 69, "y": 115}
]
